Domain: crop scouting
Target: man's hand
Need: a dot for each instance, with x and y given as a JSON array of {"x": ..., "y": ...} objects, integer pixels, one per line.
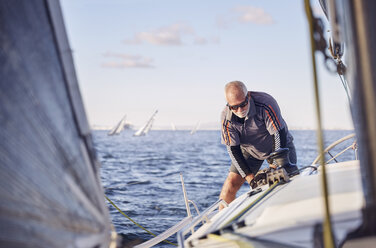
[
  {"x": 253, "y": 184},
  {"x": 259, "y": 179}
]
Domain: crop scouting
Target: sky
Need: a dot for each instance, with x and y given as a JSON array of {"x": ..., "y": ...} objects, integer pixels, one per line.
[{"x": 133, "y": 57}]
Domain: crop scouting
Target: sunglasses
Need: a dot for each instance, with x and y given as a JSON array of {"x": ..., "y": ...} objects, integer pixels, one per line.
[{"x": 240, "y": 105}]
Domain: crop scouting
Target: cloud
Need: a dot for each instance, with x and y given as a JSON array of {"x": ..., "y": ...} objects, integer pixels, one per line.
[
  {"x": 254, "y": 15},
  {"x": 171, "y": 35},
  {"x": 174, "y": 35},
  {"x": 244, "y": 14},
  {"x": 120, "y": 60},
  {"x": 203, "y": 41}
]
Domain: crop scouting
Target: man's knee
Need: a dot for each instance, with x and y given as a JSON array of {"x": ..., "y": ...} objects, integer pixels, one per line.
[
  {"x": 231, "y": 186},
  {"x": 234, "y": 181}
]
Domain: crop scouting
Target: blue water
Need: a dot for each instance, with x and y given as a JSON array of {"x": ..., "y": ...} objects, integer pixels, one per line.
[{"x": 142, "y": 174}]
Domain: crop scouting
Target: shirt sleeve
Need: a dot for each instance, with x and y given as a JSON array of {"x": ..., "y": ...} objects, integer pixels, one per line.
[
  {"x": 280, "y": 139},
  {"x": 230, "y": 136},
  {"x": 238, "y": 160},
  {"x": 273, "y": 118}
]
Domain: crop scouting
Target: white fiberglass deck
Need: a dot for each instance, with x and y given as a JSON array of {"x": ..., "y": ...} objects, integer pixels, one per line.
[{"x": 289, "y": 213}]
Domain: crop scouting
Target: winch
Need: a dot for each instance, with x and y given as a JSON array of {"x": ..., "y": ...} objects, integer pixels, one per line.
[{"x": 280, "y": 169}]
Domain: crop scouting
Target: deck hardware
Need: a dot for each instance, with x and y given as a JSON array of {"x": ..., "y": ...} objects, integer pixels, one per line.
[{"x": 278, "y": 175}]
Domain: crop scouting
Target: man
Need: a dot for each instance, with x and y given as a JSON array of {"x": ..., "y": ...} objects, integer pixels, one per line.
[{"x": 252, "y": 128}]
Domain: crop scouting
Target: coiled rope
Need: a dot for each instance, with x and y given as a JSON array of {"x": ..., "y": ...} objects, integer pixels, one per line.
[{"x": 134, "y": 222}]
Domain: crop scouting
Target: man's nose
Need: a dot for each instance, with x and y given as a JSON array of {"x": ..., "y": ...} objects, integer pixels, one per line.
[{"x": 238, "y": 110}]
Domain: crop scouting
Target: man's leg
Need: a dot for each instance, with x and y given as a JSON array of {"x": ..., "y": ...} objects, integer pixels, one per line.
[{"x": 232, "y": 184}]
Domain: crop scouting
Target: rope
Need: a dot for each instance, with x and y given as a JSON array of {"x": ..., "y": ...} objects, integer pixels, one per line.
[
  {"x": 327, "y": 233},
  {"x": 134, "y": 222}
]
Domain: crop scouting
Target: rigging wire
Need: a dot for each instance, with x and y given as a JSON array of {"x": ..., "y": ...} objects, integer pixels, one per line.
[
  {"x": 333, "y": 157},
  {"x": 345, "y": 86}
]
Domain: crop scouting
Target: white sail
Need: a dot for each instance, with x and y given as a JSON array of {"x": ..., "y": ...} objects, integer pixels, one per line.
[
  {"x": 173, "y": 127},
  {"x": 194, "y": 130},
  {"x": 50, "y": 188},
  {"x": 118, "y": 127},
  {"x": 149, "y": 125},
  {"x": 145, "y": 128},
  {"x": 140, "y": 131}
]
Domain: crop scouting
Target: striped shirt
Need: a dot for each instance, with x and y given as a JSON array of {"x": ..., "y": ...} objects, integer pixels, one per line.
[{"x": 255, "y": 132}]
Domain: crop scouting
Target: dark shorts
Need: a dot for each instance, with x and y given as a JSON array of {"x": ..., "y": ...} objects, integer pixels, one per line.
[{"x": 255, "y": 164}]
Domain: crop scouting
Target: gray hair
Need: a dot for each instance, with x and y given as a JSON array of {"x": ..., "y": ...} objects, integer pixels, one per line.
[{"x": 236, "y": 84}]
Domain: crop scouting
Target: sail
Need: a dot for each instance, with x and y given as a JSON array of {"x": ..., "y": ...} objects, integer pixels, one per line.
[
  {"x": 140, "y": 131},
  {"x": 50, "y": 191},
  {"x": 149, "y": 125},
  {"x": 119, "y": 127},
  {"x": 145, "y": 128},
  {"x": 173, "y": 127},
  {"x": 194, "y": 130}
]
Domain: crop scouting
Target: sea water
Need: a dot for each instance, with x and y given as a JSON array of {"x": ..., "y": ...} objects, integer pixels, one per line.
[{"x": 141, "y": 175}]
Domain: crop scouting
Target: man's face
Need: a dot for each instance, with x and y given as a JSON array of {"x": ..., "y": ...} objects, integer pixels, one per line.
[{"x": 237, "y": 102}]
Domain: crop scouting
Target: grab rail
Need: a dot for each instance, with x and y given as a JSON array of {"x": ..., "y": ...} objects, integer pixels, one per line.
[
  {"x": 334, "y": 144},
  {"x": 198, "y": 219},
  {"x": 165, "y": 234}
]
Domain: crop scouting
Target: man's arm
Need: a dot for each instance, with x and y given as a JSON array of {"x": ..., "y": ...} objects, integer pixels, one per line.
[
  {"x": 230, "y": 137},
  {"x": 280, "y": 139},
  {"x": 238, "y": 160}
]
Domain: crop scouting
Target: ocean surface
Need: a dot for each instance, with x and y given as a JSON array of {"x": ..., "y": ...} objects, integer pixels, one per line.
[{"x": 141, "y": 175}]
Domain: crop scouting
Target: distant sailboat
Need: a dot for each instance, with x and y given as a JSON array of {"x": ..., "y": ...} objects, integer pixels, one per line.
[
  {"x": 194, "y": 130},
  {"x": 173, "y": 127},
  {"x": 145, "y": 128},
  {"x": 118, "y": 127}
]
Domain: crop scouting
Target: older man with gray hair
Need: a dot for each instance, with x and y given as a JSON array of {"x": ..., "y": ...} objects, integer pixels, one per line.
[{"x": 252, "y": 128}]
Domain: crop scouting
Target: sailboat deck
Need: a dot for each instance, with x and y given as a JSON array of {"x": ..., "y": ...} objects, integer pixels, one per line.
[{"x": 294, "y": 211}]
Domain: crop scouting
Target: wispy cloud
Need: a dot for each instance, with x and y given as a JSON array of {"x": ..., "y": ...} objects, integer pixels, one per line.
[
  {"x": 120, "y": 60},
  {"x": 254, "y": 15},
  {"x": 170, "y": 35},
  {"x": 244, "y": 14},
  {"x": 174, "y": 35}
]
